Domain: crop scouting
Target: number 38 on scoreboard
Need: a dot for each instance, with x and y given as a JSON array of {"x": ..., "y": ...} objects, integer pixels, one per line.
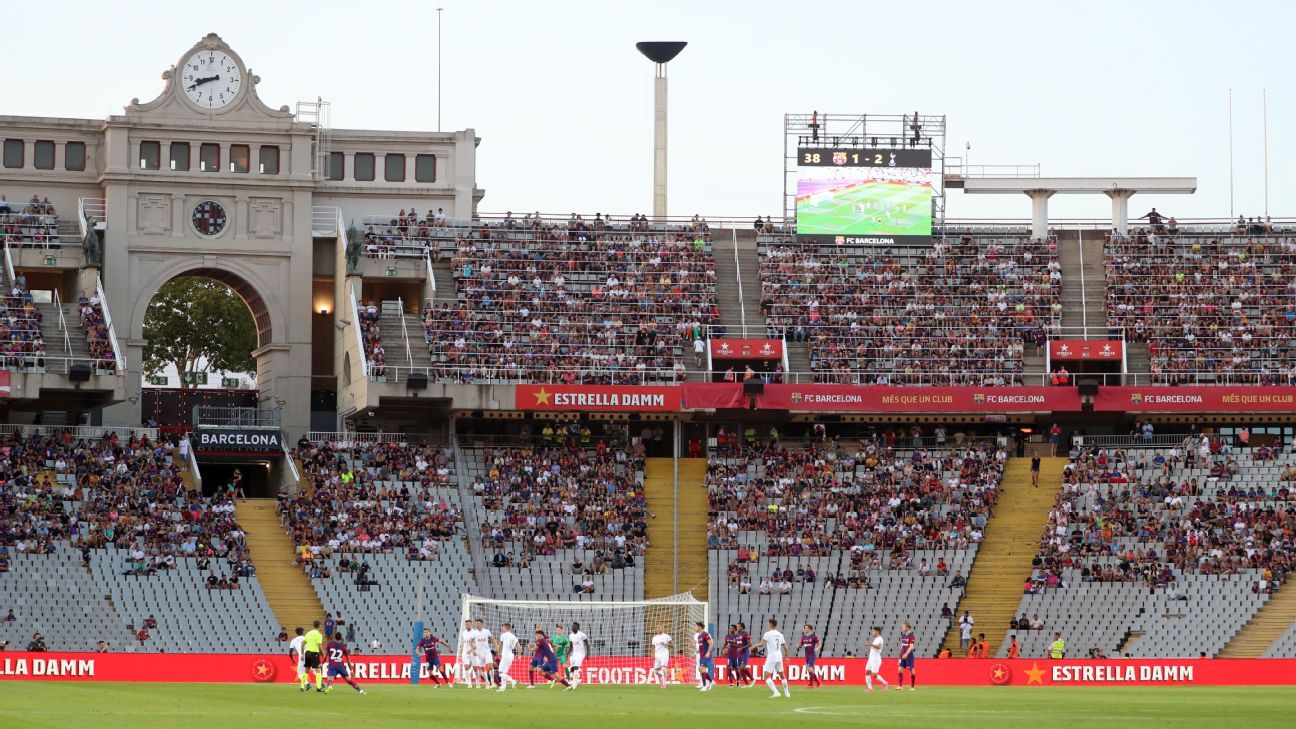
[{"x": 863, "y": 157}]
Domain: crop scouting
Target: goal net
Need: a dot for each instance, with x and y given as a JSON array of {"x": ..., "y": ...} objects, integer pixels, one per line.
[{"x": 619, "y": 645}]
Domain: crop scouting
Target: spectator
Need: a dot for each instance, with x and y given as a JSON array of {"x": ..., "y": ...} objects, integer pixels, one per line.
[{"x": 37, "y": 644}]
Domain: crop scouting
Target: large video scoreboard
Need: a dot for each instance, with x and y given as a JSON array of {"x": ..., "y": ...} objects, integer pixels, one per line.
[{"x": 864, "y": 195}]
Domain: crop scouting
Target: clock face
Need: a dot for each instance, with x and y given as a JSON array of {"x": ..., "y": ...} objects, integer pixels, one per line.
[
  {"x": 209, "y": 218},
  {"x": 211, "y": 79}
]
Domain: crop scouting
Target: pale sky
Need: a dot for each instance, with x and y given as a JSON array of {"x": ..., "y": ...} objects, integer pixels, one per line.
[{"x": 563, "y": 102}]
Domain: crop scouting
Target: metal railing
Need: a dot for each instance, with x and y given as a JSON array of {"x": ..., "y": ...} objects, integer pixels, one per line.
[
  {"x": 80, "y": 431},
  {"x": 62, "y": 322},
  {"x": 409, "y": 353},
  {"x": 119, "y": 360},
  {"x": 326, "y": 220},
  {"x": 291, "y": 461},
  {"x": 92, "y": 206},
  {"x": 476, "y": 374},
  {"x": 233, "y": 417},
  {"x": 345, "y": 437},
  {"x": 1156, "y": 440},
  {"x": 193, "y": 466},
  {"x": 9, "y": 268},
  {"x": 958, "y": 167},
  {"x": 32, "y": 363},
  {"x": 359, "y": 338}
]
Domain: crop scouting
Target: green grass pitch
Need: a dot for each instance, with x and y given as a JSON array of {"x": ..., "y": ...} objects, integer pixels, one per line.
[
  {"x": 28, "y": 705},
  {"x": 837, "y": 215}
]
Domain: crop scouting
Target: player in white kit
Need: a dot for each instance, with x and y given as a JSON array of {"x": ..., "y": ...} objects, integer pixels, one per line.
[
  {"x": 661, "y": 656},
  {"x": 873, "y": 669},
  {"x": 775, "y": 645},
  {"x": 579, "y": 649},
  {"x": 507, "y": 645},
  {"x": 482, "y": 660},
  {"x": 463, "y": 667},
  {"x": 297, "y": 652}
]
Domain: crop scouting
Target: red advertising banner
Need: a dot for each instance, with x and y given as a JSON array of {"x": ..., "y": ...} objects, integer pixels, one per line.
[
  {"x": 598, "y": 398},
  {"x": 6, "y": 388},
  {"x": 887, "y": 399},
  {"x": 1071, "y": 350},
  {"x": 746, "y": 349},
  {"x": 713, "y": 395},
  {"x": 272, "y": 668},
  {"x": 1198, "y": 399}
]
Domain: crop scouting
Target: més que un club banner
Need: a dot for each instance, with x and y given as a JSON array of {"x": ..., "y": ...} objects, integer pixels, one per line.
[{"x": 278, "y": 668}]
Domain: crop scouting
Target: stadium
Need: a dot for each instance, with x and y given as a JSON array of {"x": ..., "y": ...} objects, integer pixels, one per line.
[{"x": 287, "y": 409}]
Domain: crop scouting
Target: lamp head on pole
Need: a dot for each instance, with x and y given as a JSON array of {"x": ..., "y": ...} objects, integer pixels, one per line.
[{"x": 660, "y": 51}]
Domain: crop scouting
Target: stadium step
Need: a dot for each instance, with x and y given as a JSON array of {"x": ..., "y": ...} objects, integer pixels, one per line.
[
  {"x": 287, "y": 589},
  {"x": 659, "y": 561},
  {"x": 1011, "y": 541},
  {"x": 1265, "y": 627}
]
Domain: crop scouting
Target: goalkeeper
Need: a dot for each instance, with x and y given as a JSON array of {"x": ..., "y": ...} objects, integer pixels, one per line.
[{"x": 562, "y": 647}]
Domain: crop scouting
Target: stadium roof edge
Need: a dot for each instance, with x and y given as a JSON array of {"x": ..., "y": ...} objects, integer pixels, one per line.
[{"x": 1079, "y": 185}]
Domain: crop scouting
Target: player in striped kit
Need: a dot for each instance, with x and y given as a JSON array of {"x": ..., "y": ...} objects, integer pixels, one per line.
[
  {"x": 810, "y": 644},
  {"x": 705, "y": 661},
  {"x": 907, "y": 641}
]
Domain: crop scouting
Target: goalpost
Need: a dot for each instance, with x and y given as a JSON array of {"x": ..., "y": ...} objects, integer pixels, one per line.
[{"x": 620, "y": 633}]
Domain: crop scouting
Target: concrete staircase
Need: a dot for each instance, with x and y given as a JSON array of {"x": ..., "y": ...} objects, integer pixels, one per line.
[
  {"x": 1083, "y": 302},
  {"x": 731, "y": 269},
  {"x": 287, "y": 588},
  {"x": 1011, "y": 541},
  {"x": 1265, "y": 627},
  {"x": 445, "y": 284},
  {"x": 393, "y": 336},
  {"x": 659, "y": 560},
  {"x": 77, "y": 346}
]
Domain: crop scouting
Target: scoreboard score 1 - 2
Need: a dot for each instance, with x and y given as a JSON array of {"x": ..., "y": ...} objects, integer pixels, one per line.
[{"x": 864, "y": 195}]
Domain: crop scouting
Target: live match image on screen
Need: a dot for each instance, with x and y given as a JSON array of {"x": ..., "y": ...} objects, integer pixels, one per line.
[{"x": 864, "y": 201}]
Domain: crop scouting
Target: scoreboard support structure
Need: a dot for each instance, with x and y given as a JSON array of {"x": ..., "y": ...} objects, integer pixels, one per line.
[{"x": 864, "y": 131}]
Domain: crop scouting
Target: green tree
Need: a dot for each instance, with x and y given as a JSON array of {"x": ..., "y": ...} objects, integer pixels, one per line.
[{"x": 199, "y": 325}]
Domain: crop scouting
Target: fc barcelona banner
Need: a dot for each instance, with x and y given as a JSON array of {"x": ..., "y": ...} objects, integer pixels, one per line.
[
  {"x": 366, "y": 669},
  {"x": 598, "y": 398},
  {"x": 1197, "y": 399},
  {"x": 886, "y": 399}
]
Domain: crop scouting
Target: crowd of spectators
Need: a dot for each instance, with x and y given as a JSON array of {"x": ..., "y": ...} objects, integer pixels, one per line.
[
  {"x": 1149, "y": 516},
  {"x": 574, "y": 302},
  {"x": 371, "y": 334},
  {"x": 1212, "y": 310},
  {"x": 109, "y": 491},
  {"x": 95, "y": 327},
  {"x": 536, "y": 501},
  {"x": 21, "y": 345},
  {"x": 363, "y": 497},
  {"x": 34, "y": 225},
  {"x": 952, "y": 313},
  {"x": 870, "y": 501}
]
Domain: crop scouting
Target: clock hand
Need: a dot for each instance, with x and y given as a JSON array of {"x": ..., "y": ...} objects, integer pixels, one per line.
[{"x": 201, "y": 81}]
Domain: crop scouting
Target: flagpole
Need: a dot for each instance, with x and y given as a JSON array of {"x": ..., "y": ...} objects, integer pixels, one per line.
[{"x": 1264, "y": 98}]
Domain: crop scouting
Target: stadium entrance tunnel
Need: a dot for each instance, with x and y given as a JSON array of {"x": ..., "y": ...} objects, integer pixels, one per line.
[{"x": 258, "y": 475}]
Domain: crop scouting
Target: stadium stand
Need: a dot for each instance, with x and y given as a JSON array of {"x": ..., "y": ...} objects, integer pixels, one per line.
[
  {"x": 22, "y": 341},
  {"x": 560, "y": 522},
  {"x": 1181, "y": 545},
  {"x": 572, "y": 302},
  {"x": 147, "y": 545},
  {"x": 1213, "y": 310},
  {"x": 856, "y": 535},
  {"x": 373, "y": 518},
  {"x": 953, "y": 313},
  {"x": 35, "y": 225}
]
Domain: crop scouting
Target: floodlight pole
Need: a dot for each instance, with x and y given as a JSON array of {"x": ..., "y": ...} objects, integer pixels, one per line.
[
  {"x": 659, "y": 143},
  {"x": 660, "y": 53}
]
